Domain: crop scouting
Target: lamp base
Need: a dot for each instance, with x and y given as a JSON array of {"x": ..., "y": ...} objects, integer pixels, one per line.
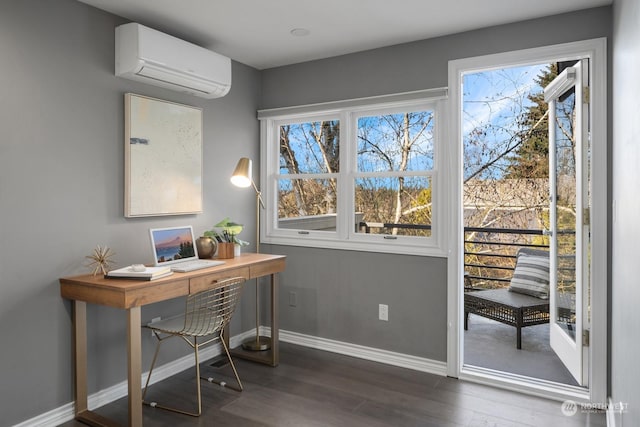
[{"x": 257, "y": 344}]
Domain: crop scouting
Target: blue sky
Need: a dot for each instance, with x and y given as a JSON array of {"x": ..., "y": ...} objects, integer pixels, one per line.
[
  {"x": 501, "y": 85},
  {"x": 492, "y": 101}
]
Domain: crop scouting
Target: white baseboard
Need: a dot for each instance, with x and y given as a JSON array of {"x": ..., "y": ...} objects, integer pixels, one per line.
[
  {"x": 614, "y": 413},
  {"x": 67, "y": 412},
  {"x": 611, "y": 416},
  {"x": 362, "y": 352}
]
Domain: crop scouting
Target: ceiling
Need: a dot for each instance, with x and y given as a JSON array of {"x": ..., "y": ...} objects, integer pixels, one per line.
[{"x": 258, "y": 32}]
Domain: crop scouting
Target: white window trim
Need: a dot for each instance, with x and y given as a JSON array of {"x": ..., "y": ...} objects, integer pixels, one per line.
[{"x": 345, "y": 237}]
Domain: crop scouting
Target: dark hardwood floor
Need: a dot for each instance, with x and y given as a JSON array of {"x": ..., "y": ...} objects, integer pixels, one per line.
[{"x": 317, "y": 388}]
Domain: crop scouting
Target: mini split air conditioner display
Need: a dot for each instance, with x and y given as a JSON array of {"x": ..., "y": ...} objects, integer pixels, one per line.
[{"x": 152, "y": 57}]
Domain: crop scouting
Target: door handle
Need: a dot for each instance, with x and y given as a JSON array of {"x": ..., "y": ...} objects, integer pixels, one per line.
[{"x": 547, "y": 233}]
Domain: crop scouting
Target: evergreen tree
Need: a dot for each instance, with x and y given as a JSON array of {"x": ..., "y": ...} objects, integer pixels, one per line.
[{"x": 531, "y": 158}]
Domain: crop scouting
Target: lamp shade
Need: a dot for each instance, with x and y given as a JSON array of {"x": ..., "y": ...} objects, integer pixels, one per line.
[{"x": 242, "y": 174}]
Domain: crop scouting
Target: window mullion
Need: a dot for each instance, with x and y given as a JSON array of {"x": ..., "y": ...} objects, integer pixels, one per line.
[{"x": 345, "y": 186}]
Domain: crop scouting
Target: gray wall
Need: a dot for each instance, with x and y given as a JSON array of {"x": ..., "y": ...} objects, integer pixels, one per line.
[
  {"x": 338, "y": 293},
  {"x": 355, "y": 283},
  {"x": 419, "y": 65},
  {"x": 625, "y": 320},
  {"x": 61, "y": 193}
]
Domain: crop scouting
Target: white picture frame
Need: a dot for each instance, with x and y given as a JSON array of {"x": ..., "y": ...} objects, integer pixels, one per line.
[{"x": 163, "y": 157}]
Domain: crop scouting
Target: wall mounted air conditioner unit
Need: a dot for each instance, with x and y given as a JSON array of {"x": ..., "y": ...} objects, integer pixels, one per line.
[{"x": 152, "y": 57}]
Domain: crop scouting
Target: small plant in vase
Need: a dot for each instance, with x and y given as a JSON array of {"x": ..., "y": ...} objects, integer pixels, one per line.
[{"x": 226, "y": 231}]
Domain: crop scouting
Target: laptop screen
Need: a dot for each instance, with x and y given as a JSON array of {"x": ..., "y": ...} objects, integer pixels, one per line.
[{"x": 172, "y": 245}]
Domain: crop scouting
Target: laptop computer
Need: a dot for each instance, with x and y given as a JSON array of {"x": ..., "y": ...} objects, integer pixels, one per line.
[{"x": 175, "y": 247}]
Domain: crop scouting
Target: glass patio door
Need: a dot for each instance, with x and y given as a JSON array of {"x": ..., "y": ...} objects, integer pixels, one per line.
[{"x": 569, "y": 154}]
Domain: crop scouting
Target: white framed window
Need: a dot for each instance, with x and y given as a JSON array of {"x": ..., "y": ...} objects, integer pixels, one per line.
[{"x": 364, "y": 174}]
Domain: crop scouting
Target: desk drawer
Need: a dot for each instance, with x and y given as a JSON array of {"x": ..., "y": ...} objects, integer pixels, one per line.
[
  {"x": 197, "y": 284},
  {"x": 156, "y": 291}
]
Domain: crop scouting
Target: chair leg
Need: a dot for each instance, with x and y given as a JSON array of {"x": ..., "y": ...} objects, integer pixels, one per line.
[
  {"x": 195, "y": 350},
  {"x": 519, "y": 322},
  {"x": 195, "y": 347},
  {"x": 153, "y": 364},
  {"x": 233, "y": 366},
  {"x": 168, "y": 408}
]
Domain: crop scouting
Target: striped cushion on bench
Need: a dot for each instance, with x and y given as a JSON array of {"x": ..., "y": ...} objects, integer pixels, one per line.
[{"x": 531, "y": 276}]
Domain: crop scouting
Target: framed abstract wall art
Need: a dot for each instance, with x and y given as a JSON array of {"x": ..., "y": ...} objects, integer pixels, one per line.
[{"x": 163, "y": 157}]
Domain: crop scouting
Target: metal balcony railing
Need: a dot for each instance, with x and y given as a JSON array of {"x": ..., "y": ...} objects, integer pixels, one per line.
[{"x": 490, "y": 253}]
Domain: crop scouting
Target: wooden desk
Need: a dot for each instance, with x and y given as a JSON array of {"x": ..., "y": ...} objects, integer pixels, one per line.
[{"x": 132, "y": 294}]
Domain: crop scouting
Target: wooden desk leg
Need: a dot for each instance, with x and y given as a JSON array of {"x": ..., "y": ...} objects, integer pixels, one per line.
[
  {"x": 134, "y": 366},
  {"x": 275, "y": 332},
  {"x": 80, "y": 344},
  {"x": 83, "y": 414}
]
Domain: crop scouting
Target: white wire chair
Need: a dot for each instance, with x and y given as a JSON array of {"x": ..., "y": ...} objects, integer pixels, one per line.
[{"x": 207, "y": 313}]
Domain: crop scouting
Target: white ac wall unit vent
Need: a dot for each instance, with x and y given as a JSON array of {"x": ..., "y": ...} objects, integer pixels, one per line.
[{"x": 158, "y": 59}]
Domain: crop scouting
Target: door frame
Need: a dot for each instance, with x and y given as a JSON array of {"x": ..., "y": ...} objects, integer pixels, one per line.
[{"x": 595, "y": 50}]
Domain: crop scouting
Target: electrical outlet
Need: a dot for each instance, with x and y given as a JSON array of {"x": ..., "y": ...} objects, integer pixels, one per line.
[
  {"x": 293, "y": 299},
  {"x": 383, "y": 312}
]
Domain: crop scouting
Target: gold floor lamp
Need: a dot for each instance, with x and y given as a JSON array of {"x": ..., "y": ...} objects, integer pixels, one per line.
[{"x": 242, "y": 178}]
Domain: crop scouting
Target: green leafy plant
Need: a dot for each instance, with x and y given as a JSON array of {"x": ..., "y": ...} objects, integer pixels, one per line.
[{"x": 226, "y": 231}]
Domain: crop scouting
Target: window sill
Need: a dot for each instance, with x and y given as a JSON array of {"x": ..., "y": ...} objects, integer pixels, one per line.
[{"x": 348, "y": 245}]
